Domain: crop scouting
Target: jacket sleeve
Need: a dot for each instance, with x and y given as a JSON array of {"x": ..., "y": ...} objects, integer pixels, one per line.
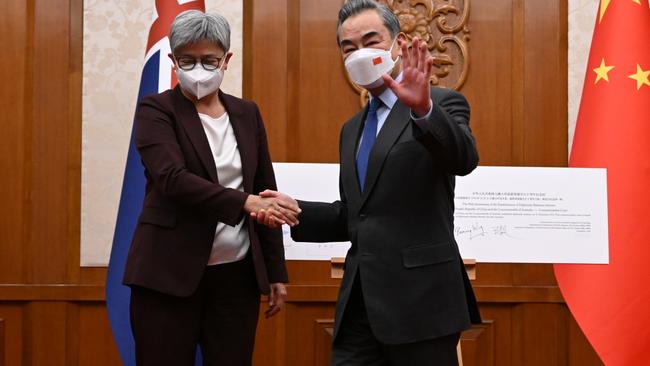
[
  {"x": 270, "y": 239},
  {"x": 448, "y": 128},
  {"x": 156, "y": 141},
  {"x": 322, "y": 222}
]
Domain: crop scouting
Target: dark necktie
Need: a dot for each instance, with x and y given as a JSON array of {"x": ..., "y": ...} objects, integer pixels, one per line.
[{"x": 368, "y": 139}]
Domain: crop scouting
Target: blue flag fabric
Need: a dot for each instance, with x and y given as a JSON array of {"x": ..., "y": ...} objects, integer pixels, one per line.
[{"x": 118, "y": 295}]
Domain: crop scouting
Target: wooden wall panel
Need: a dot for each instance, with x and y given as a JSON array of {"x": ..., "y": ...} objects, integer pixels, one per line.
[
  {"x": 270, "y": 341},
  {"x": 48, "y": 143},
  {"x": 502, "y": 325},
  {"x": 42, "y": 179},
  {"x": 319, "y": 96},
  {"x": 580, "y": 351},
  {"x": 96, "y": 345},
  {"x": 45, "y": 333},
  {"x": 14, "y": 35},
  {"x": 2, "y": 342},
  {"x": 527, "y": 327},
  {"x": 489, "y": 86},
  {"x": 262, "y": 37},
  {"x": 14, "y": 326},
  {"x": 301, "y": 320},
  {"x": 323, "y": 334},
  {"x": 477, "y": 345},
  {"x": 73, "y": 339},
  {"x": 73, "y": 162},
  {"x": 53, "y": 311},
  {"x": 300, "y": 82},
  {"x": 545, "y": 83},
  {"x": 539, "y": 325}
]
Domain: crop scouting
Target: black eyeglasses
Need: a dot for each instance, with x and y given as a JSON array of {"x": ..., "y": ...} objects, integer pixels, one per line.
[{"x": 209, "y": 63}]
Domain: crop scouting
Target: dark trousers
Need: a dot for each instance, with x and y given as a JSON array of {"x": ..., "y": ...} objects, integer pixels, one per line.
[
  {"x": 221, "y": 317},
  {"x": 355, "y": 344}
]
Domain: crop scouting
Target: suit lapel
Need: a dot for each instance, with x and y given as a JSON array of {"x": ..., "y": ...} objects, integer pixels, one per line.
[
  {"x": 245, "y": 136},
  {"x": 393, "y": 126},
  {"x": 349, "y": 143},
  {"x": 189, "y": 119}
]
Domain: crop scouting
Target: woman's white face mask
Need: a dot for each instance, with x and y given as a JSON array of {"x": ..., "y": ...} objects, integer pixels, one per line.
[
  {"x": 365, "y": 66},
  {"x": 200, "y": 82}
]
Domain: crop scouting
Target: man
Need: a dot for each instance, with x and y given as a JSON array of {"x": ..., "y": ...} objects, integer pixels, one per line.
[{"x": 405, "y": 296}]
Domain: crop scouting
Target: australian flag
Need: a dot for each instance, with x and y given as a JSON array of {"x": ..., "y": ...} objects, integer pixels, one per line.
[{"x": 157, "y": 76}]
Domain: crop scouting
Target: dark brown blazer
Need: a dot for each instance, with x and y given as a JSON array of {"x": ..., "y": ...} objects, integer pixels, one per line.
[{"x": 183, "y": 199}]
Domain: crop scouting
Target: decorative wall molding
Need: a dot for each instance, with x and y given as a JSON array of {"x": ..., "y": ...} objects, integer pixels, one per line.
[
  {"x": 443, "y": 24},
  {"x": 313, "y": 293}
]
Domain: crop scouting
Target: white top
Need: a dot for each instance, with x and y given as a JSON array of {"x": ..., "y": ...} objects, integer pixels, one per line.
[{"x": 230, "y": 243}]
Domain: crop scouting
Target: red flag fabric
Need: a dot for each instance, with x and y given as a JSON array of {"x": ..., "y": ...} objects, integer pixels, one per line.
[
  {"x": 611, "y": 303},
  {"x": 167, "y": 11}
]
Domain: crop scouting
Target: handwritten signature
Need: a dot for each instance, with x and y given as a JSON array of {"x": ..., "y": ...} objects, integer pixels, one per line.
[
  {"x": 478, "y": 230},
  {"x": 500, "y": 230},
  {"x": 472, "y": 232}
]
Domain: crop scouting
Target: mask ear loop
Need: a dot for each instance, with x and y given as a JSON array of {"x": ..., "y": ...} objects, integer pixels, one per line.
[
  {"x": 393, "y": 44},
  {"x": 391, "y": 50}
]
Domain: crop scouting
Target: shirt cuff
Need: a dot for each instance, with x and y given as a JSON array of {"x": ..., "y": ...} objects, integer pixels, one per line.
[{"x": 426, "y": 116}]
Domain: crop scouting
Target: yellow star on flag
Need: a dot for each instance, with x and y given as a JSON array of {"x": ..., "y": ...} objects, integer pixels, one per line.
[
  {"x": 601, "y": 71},
  {"x": 641, "y": 77},
  {"x": 603, "y": 8}
]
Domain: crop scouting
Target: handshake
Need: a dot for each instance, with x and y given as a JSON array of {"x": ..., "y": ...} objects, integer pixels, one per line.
[{"x": 272, "y": 209}]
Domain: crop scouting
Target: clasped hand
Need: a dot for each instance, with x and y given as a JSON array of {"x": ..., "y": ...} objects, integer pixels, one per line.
[{"x": 273, "y": 209}]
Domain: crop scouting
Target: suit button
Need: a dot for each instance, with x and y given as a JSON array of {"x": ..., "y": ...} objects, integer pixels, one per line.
[{"x": 362, "y": 217}]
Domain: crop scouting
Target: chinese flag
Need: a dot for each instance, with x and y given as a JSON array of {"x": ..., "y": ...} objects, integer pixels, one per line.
[{"x": 611, "y": 303}]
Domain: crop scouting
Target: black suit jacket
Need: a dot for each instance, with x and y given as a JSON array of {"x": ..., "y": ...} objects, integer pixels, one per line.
[
  {"x": 401, "y": 226},
  {"x": 184, "y": 201}
]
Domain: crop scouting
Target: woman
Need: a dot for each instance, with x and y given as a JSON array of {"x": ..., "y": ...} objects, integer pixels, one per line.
[{"x": 197, "y": 264}]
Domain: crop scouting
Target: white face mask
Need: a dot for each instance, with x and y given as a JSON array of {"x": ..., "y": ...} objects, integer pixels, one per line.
[
  {"x": 365, "y": 66},
  {"x": 199, "y": 82}
]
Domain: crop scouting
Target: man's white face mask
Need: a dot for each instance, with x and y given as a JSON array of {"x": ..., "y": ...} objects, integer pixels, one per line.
[
  {"x": 199, "y": 82},
  {"x": 365, "y": 66}
]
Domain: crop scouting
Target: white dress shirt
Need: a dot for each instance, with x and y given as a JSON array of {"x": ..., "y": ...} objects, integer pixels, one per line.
[
  {"x": 230, "y": 243},
  {"x": 388, "y": 100}
]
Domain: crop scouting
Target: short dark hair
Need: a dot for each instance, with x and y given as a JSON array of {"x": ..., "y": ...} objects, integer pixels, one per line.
[{"x": 354, "y": 7}]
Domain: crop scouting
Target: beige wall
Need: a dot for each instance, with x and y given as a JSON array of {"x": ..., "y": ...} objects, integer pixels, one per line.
[{"x": 582, "y": 17}]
